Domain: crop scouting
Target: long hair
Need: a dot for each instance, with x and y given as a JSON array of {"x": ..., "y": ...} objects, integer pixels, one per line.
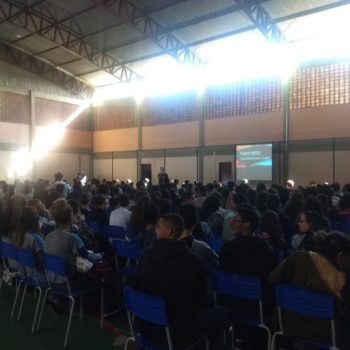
[{"x": 29, "y": 221}]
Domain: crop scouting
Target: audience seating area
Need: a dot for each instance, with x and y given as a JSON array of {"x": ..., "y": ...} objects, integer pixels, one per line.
[{"x": 262, "y": 254}]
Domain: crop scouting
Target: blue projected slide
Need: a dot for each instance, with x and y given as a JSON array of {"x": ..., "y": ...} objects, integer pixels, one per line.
[{"x": 254, "y": 162}]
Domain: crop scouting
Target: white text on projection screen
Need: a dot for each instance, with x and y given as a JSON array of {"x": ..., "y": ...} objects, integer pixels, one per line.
[{"x": 254, "y": 162}]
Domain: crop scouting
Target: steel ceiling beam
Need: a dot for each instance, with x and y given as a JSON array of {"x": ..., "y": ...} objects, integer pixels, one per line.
[
  {"x": 168, "y": 42},
  {"x": 35, "y": 23},
  {"x": 45, "y": 70},
  {"x": 262, "y": 19}
]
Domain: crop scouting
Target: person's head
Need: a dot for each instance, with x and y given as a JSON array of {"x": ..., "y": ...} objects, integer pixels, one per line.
[
  {"x": 29, "y": 222},
  {"x": 170, "y": 226},
  {"x": 335, "y": 247},
  {"x": 344, "y": 201},
  {"x": 245, "y": 221},
  {"x": 58, "y": 176},
  {"x": 100, "y": 202},
  {"x": 151, "y": 214},
  {"x": 210, "y": 205},
  {"x": 310, "y": 221},
  {"x": 273, "y": 202},
  {"x": 270, "y": 226},
  {"x": 189, "y": 214},
  {"x": 61, "y": 212},
  {"x": 74, "y": 205},
  {"x": 124, "y": 200},
  {"x": 239, "y": 199}
]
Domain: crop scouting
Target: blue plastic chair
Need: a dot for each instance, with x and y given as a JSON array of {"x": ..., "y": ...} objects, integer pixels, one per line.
[
  {"x": 96, "y": 227},
  {"x": 215, "y": 243},
  {"x": 153, "y": 310},
  {"x": 242, "y": 287},
  {"x": 57, "y": 266},
  {"x": 30, "y": 277},
  {"x": 115, "y": 232},
  {"x": 10, "y": 260},
  {"x": 308, "y": 303}
]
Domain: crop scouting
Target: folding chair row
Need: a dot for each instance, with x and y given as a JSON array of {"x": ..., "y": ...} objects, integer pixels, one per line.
[
  {"x": 290, "y": 298},
  {"x": 31, "y": 277}
]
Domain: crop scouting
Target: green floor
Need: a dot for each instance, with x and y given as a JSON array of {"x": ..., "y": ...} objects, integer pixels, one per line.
[{"x": 85, "y": 334}]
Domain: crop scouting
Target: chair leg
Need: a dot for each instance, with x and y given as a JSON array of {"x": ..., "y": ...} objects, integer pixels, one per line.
[
  {"x": 273, "y": 340},
  {"x": 37, "y": 308},
  {"x": 72, "y": 303},
  {"x": 268, "y": 337},
  {"x": 127, "y": 343},
  {"x": 18, "y": 287},
  {"x": 22, "y": 300},
  {"x": 42, "y": 308},
  {"x": 81, "y": 307},
  {"x": 102, "y": 306}
]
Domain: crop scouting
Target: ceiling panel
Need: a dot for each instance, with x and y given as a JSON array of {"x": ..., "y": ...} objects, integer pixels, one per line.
[
  {"x": 35, "y": 43},
  {"x": 113, "y": 38},
  {"x": 58, "y": 56},
  {"x": 9, "y": 32},
  {"x": 140, "y": 49},
  {"x": 80, "y": 67},
  {"x": 217, "y": 26}
]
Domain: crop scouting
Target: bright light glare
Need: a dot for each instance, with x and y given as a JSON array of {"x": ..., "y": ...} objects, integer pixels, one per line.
[
  {"x": 45, "y": 139},
  {"x": 244, "y": 56}
]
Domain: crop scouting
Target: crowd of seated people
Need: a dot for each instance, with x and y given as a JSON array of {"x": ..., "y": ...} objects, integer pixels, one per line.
[{"x": 280, "y": 235}]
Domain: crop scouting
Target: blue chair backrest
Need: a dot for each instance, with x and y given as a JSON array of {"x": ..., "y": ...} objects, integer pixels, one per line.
[
  {"x": 145, "y": 306},
  {"x": 305, "y": 302},
  {"x": 9, "y": 251},
  {"x": 117, "y": 232},
  {"x": 55, "y": 264},
  {"x": 236, "y": 285},
  {"x": 127, "y": 249},
  {"x": 25, "y": 257},
  {"x": 280, "y": 254},
  {"x": 96, "y": 227},
  {"x": 215, "y": 243}
]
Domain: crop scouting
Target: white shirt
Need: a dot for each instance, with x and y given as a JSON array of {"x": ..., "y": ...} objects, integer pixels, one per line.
[{"x": 120, "y": 217}]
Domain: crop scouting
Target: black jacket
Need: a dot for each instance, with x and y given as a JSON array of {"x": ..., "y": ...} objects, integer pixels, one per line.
[
  {"x": 254, "y": 256},
  {"x": 169, "y": 270}
]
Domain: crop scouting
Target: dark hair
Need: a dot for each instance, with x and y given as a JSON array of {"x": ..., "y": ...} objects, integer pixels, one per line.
[
  {"x": 270, "y": 223},
  {"x": 176, "y": 223},
  {"x": 240, "y": 199},
  {"x": 312, "y": 204},
  {"x": 151, "y": 214},
  {"x": 315, "y": 219},
  {"x": 210, "y": 205},
  {"x": 124, "y": 200},
  {"x": 137, "y": 219},
  {"x": 332, "y": 243},
  {"x": 74, "y": 205},
  {"x": 273, "y": 202},
  {"x": 29, "y": 221},
  {"x": 98, "y": 200},
  {"x": 189, "y": 214},
  {"x": 58, "y": 176},
  {"x": 61, "y": 212},
  {"x": 248, "y": 214},
  {"x": 344, "y": 201}
]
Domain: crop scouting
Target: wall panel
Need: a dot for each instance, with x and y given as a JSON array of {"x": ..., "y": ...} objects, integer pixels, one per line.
[
  {"x": 342, "y": 166},
  {"x": 320, "y": 122},
  {"x": 264, "y": 127},
  {"x": 211, "y": 166},
  {"x": 156, "y": 164},
  {"x": 67, "y": 163},
  {"x": 115, "y": 140},
  {"x": 124, "y": 169},
  {"x": 170, "y": 136},
  {"x": 181, "y": 168},
  {"x": 102, "y": 169},
  {"x": 85, "y": 165},
  {"x": 310, "y": 166},
  {"x": 14, "y": 133}
]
